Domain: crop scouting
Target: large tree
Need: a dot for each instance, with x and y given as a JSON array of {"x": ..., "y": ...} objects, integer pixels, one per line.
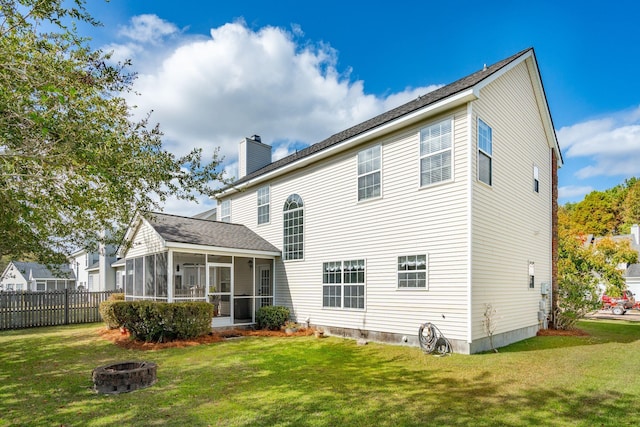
[
  {"x": 585, "y": 270},
  {"x": 73, "y": 162}
]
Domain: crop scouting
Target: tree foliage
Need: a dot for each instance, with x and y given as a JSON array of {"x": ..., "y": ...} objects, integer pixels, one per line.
[
  {"x": 73, "y": 162},
  {"x": 587, "y": 265}
]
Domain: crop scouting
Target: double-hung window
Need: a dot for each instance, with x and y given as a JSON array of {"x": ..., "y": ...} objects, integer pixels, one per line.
[
  {"x": 435, "y": 153},
  {"x": 369, "y": 173},
  {"x": 263, "y": 205},
  {"x": 412, "y": 272},
  {"x": 293, "y": 228},
  {"x": 225, "y": 211},
  {"x": 485, "y": 152},
  {"x": 343, "y": 284}
]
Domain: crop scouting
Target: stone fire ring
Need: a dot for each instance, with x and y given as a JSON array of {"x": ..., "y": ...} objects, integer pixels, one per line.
[{"x": 124, "y": 377}]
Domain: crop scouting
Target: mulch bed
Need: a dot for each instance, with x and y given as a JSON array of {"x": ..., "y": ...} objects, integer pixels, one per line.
[
  {"x": 123, "y": 339},
  {"x": 562, "y": 333}
]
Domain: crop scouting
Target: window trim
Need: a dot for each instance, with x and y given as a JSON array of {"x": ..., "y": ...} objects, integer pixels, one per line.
[
  {"x": 342, "y": 284},
  {"x": 267, "y": 204},
  {"x": 426, "y": 273},
  {"x": 359, "y": 175},
  {"x": 480, "y": 150},
  {"x": 450, "y": 149},
  {"x": 225, "y": 205}
]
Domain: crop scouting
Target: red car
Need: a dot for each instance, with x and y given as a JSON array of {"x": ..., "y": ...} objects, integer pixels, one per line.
[{"x": 619, "y": 305}]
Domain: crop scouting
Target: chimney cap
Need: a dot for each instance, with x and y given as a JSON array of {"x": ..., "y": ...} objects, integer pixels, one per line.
[{"x": 256, "y": 138}]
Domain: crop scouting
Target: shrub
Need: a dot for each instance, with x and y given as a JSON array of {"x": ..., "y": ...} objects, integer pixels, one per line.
[
  {"x": 272, "y": 317},
  {"x": 161, "y": 321},
  {"x": 106, "y": 310}
]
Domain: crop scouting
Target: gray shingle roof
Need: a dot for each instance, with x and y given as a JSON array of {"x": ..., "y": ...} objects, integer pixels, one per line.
[
  {"x": 180, "y": 229},
  {"x": 418, "y": 103},
  {"x": 42, "y": 272}
]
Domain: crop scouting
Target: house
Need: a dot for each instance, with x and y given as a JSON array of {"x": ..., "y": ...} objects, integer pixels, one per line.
[
  {"x": 94, "y": 269},
  {"x": 31, "y": 276},
  {"x": 426, "y": 213}
]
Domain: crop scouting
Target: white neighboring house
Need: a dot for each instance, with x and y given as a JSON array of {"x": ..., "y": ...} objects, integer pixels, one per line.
[
  {"x": 31, "y": 276},
  {"x": 425, "y": 213},
  {"x": 94, "y": 270}
]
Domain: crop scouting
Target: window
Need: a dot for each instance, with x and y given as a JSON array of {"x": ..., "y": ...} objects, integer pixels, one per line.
[
  {"x": 485, "y": 152},
  {"x": 293, "y": 228},
  {"x": 412, "y": 272},
  {"x": 536, "y": 182},
  {"x": 343, "y": 284},
  {"x": 225, "y": 211},
  {"x": 263, "y": 205},
  {"x": 435, "y": 153},
  {"x": 145, "y": 277},
  {"x": 369, "y": 173}
]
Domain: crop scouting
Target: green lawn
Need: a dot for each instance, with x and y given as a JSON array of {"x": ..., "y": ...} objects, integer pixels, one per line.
[{"x": 45, "y": 379}]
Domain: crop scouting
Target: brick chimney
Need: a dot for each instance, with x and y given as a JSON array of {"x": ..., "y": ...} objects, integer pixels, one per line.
[{"x": 252, "y": 155}]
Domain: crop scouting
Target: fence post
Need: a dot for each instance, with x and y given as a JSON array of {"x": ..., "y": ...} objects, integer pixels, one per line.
[{"x": 66, "y": 306}]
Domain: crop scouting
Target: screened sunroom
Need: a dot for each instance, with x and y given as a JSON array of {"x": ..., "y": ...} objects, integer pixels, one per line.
[{"x": 237, "y": 278}]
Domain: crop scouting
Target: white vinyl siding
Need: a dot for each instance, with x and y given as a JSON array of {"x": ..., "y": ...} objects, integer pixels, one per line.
[
  {"x": 407, "y": 220},
  {"x": 435, "y": 153},
  {"x": 511, "y": 223},
  {"x": 263, "y": 205},
  {"x": 369, "y": 173},
  {"x": 485, "y": 150},
  {"x": 225, "y": 211}
]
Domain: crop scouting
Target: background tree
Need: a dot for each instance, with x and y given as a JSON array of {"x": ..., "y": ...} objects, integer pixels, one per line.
[
  {"x": 73, "y": 164},
  {"x": 584, "y": 269}
]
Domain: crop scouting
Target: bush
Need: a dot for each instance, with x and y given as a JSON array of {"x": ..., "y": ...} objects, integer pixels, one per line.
[
  {"x": 272, "y": 317},
  {"x": 161, "y": 321},
  {"x": 106, "y": 310}
]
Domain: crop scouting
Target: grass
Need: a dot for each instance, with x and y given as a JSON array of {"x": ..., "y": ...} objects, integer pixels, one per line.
[{"x": 45, "y": 379}]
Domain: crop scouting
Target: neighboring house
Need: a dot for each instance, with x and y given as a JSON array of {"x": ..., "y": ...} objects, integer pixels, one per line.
[
  {"x": 94, "y": 269},
  {"x": 425, "y": 213},
  {"x": 31, "y": 276}
]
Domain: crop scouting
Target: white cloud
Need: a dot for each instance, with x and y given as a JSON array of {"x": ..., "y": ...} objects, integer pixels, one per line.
[
  {"x": 148, "y": 29},
  {"x": 212, "y": 92},
  {"x": 609, "y": 146},
  {"x": 573, "y": 191}
]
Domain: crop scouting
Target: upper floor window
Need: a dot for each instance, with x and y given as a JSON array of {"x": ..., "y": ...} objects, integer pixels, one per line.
[
  {"x": 225, "y": 211},
  {"x": 412, "y": 271},
  {"x": 369, "y": 173},
  {"x": 485, "y": 152},
  {"x": 293, "y": 247},
  {"x": 435, "y": 153},
  {"x": 536, "y": 181},
  {"x": 263, "y": 205}
]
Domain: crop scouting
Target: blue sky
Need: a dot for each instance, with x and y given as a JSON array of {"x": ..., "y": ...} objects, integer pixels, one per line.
[{"x": 296, "y": 72}]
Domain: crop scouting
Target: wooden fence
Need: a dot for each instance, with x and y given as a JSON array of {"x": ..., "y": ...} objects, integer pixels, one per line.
[{"x": 32, "y": 309}]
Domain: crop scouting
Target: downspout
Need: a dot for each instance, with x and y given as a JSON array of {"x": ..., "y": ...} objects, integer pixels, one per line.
[{"x": 469, "y": 222}]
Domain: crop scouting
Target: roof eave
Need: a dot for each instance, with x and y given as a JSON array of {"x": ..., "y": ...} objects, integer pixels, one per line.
[
  {"x": 448, "y": 103},
  {"x": 225, "y": 250}
]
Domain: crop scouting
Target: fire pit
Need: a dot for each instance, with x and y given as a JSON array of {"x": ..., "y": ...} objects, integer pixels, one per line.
[{"x": 124, "y": 377}]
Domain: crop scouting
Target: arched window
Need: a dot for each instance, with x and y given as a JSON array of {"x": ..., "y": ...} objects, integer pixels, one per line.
[{"x": 293, "y": 228}]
